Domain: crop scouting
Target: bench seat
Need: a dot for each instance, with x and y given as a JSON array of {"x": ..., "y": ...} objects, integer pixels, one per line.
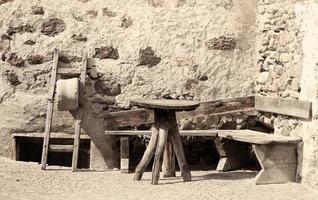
[{"x": 256, "y": 137}]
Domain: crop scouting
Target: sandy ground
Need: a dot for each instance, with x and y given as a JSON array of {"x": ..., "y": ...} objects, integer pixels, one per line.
[{"x": 19, "y": 180}]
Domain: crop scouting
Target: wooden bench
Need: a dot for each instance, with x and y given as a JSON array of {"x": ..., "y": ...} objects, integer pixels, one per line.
[
  {"x": 124, "y": 141},
  {"x": 277, "y": 155}
]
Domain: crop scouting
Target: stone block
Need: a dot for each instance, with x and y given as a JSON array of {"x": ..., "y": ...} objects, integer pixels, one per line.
[
  {"x": 52, "y": 27},
  {"x": 222, "y": 43},
  {"x": 263, "y": 77}
]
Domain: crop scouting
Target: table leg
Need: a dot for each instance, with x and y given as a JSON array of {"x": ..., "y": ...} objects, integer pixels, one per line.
[
  {"x": 163, "y": 133},
  {"x": 178, "y": 148},
  {"x": 140, "y": 169},
  {"x": 168, "y": 166}
]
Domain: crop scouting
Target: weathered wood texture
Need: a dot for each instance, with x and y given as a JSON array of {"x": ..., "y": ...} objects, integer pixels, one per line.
[
  {"x": 178, "y": 149},
  {"x": 289, "y": 107},
  {"x": 52, "y": 135},
  {"x": 256, "y": 137},
  {"x": 278, "y": 162},
  {"x": 49, "y": 113},
  {"x": 148, "y": 154},
  {"x": 216, "y": 107},
  {"x": 277, "y": 155},
  {"x": 165, "y": 104},
  {"x": 124, "y": 154},
  {"x": 233, "y": 154},
  {"x": 169, "y": 161},
  {"x": 69, "y": 72},
  {"x": 79, "y": 114},
  {"x": 221, "y": 106},
  {"x": 162, "y": 122},
  {"x": 208, "y": 133},
  {"x": 61, "y": 148}
]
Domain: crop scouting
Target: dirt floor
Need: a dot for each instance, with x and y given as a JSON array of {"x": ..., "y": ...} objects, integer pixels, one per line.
[{"x": 20, "y": 180}]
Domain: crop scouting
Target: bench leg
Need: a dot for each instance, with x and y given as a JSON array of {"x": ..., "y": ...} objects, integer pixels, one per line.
[
  {"x": 124, "y": 154},
  {"x": 169, "y": 166},
  {"x": 140, "y": 169},
  {"x": 233, "y": 154},
  {"x": 278, "y": 162}
]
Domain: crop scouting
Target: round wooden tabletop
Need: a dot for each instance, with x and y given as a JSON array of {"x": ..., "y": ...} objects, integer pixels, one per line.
[{"x": 165, "y": 104}]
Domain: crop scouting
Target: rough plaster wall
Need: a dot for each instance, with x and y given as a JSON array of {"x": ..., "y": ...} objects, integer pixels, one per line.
[
  {"x": 146, "y": 48},
  {"x": 307, "y": 15}
]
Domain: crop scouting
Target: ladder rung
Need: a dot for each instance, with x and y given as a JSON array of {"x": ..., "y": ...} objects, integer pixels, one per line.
[
  {"x": 61, "y": 148},
  {"x": 68, "y": 72}
]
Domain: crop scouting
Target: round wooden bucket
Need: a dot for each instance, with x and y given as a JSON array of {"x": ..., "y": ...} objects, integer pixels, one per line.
[{"x": 67, "y": 94}]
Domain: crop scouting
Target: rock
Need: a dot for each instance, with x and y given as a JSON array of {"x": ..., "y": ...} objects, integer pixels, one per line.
[
  {"x": 29, "y": 42},
  {"x": 108, "y": 13},
  {"x": 263, "y": 77},
  {"x": 20, "y": 29},
  {"x": 37, "y": 10},
  {"x": 147, "y": 57},
  {"x": 279, "y": 69},
  {"x": 284, "y": 57},
  {"x": 294, "y": 94},
  {"x": 295, "y": 71},
  {"x": 126, "y": 21},
  {"x": 92, "y": 13},
  {"x": 4, "y": 45},
  {"x": 104, "y": 99},
  {"x": 186, "y": 124},
  {"x": 52, "y": 27},
  {"x": 221, "y": 43},
  {"x": 284, "y": 94},
  {"x": 156, "y": 3},
  {"x": 93, "y": 74},
  {"x": 79, "y": 37},
  {"x": 5, "y": 1},
  {"x": 35, "y": 59},
  {"x": 77, "y": 17},
  {"x": 109, "y": 89},
  {"x": 203, "y": 77},
  {"x": 295, "y": 85},
  {"x": 5, "y": 37},
  {"x": 64, "y": 58},
  {"x": 12, "y": 78},
  {"x": 15, "y": 60},
  {"x": 106, "y": 52}
]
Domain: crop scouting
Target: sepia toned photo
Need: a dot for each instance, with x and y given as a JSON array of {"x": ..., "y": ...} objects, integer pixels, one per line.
[{"x": 158, "y": 99}]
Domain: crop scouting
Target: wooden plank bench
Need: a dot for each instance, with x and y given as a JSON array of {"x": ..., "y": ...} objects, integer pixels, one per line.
[
  {"x": 124, "y": 141},
  {"x": 277, "y": 155}
]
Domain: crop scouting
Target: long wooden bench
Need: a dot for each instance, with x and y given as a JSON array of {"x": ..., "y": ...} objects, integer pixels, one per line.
[
  {"x": 124, "y": 142},
  {"x": 277, "y": 155}
]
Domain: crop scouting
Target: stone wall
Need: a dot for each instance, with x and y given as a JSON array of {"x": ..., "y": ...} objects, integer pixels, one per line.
[
  {"x": 287, "y": 60},
  {"x": 179, "y": 49}
]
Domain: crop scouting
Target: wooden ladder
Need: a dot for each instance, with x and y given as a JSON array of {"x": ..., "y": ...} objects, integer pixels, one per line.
[{"x": 46, "y": 143}]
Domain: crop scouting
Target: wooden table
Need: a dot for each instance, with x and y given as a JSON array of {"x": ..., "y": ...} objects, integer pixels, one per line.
[{"x": 165, "y": 128}]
